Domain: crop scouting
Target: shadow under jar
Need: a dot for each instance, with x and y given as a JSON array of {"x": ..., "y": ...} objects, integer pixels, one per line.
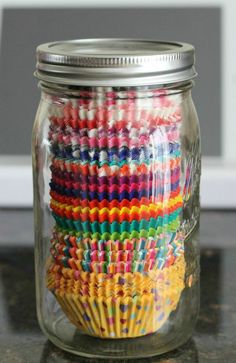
[{"x": 116, "y": 163}]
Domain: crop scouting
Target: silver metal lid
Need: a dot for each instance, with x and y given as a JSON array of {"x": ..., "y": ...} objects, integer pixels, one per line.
[{"x": 115, "y": 62}]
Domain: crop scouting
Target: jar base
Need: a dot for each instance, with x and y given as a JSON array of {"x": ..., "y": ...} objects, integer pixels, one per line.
[
  {"x": 115, "y": 351},
  {"x": 130, "y": 348}
]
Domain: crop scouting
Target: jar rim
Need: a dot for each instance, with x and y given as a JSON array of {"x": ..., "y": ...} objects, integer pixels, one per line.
[{"x": 115, "y": 62}]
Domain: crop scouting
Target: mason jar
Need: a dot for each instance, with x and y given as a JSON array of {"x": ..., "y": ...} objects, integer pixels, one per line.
[{"x": 116, "y": 165}]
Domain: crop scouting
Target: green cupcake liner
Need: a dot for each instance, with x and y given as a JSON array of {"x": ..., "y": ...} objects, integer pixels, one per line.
[{"x": 116, "y": 227}]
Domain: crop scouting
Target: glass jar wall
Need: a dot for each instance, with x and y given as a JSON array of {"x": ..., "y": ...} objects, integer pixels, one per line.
[{"x": 116, "y": 200}]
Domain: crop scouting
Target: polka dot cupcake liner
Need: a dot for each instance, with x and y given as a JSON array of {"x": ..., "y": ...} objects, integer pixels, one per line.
[
  {"x": 125, "y": 317},
  {"x": 101, "y": 317}
]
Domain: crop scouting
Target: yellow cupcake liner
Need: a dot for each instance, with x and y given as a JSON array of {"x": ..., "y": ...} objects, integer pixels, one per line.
[
  {"x": 105, "y": 285},
  {"x": 108, "y": 315},
  {"x": 106, "y": 290},
  {"x": 108, "y": 318},
  {"x": 157, "y": 208}
]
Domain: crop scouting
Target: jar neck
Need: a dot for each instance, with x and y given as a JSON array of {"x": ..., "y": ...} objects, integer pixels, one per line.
[{"x": 69, "y": 91}]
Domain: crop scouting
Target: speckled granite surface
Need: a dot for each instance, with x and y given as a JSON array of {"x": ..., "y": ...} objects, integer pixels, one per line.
[{"x": 214, "y": 339}]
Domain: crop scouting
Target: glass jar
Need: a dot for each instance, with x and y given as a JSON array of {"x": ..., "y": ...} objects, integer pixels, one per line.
[{"x": 116, "y": 164}]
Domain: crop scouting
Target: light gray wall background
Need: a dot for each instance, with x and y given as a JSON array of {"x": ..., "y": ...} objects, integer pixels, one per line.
[{"x": 24, "y": 29}]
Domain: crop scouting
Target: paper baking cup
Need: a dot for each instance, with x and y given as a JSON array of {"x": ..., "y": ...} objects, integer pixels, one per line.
[
  {"x": 103, "y": 109},
  {"x": 73, "y": 255},
  {"x": 63, "y": 238},
  {"x": 127, "y": 317},
  {"x": 69, "y": 206},
  {"x": 155, "y": 166},
  {"x": 117, "y": 154},
  {"x": 111, "y": 256},
  {"x": 113, "y": 190},
  {"x": 116, "y": 256},
  {"x": 83, "y": 238},
  {"x": 117, "y": 267},
  {"x": 136, "y": 228},
  {"x": 101, "y": 284},
  {"x": 115, "y": 212},
  {"x": 107, "y": 256},
  {"x": 107, "y": 146},
  {"x": 105, "y": 285},
  {"x": 83, "y": 182},
  {"x": 66, "y": 238}
]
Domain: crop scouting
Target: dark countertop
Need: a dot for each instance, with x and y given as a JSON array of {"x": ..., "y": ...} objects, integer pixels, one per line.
[{"x": 214, "y": 339}]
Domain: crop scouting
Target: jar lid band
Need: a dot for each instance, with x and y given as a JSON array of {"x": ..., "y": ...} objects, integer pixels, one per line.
[{"x": 115, "y": 62}]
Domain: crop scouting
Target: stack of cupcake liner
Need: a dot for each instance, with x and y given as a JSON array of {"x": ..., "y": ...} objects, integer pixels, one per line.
[
  {"x": 121, "y": 305},
  {"x": 115, "y": 255},
  {"x": 117, "y": 202}
]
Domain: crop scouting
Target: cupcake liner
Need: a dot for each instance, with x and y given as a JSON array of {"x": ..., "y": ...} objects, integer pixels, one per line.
[
  {"x": 68, "y": 239},
  {"x": 94, "y": 183},
  {"x": 115, "y": 256},
  {"x": 162, "y": 259},
  {"x": 156, "y": 201},
  {"x": 156, "y": 167},
  {"x": 126, "y": 146},
  {"x": 123, "y": 317},
  {"x": 140, "y": 118},
  {"x": 103, "y": 110},
  {"x": 108, "y": 285},
  {"x": 85, "y": 180},
  {"x": 117, "y": 148},
  {"x": 158, "y": 191},
  {"x": 105, "y": 256},
  {"x": 70, "y": 227},
  {"x": 96, "y": 128},
  {"x": 115, "y": 154},
  {"x": 93, "y": 316},
  {"x": 114, "y": 213},
  {"x": 88, "y": 255},
  {"x": 102, "y": 284},
  {"x": 126, "y": 189},
  {"x": 128, "y": 183},
  {"x": 106, "y": 267},
  {"x": 88, "y": 228}
]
